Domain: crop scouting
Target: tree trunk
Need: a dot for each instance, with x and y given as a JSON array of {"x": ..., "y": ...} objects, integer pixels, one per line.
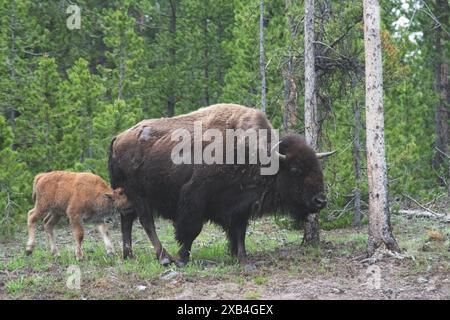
[
  {"x": 311, "y": 116},
  {"x": 121, "y": 69},
  {"x": 171, "y": 100},
  {"x": 357, "y": 164},
  {"x": 11, "y": 111},
  {"x": 262, "y": 63},
  {"x": 311, "y": 230},
  {"x": 441, "y": 83},
  {"x": 206, "y": 56},
  {"x": 380, "y": 233},
  {"x": 290, "y": 89},
  {"x": 220, "y": 72}
]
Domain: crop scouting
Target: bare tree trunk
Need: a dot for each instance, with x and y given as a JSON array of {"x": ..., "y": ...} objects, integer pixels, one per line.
[
  {"x": 440, "y": 84},
  {"x": 290, "y": 89},
  {"x": 220, "y": 31},
  {"x": 206, "y": 56},
  {"x": 357, "y": 164},
  {"x": 171, "y": 100},
  {"x": 90, "y": 133},
  {"x": 121, "y": 70},
  {"x": 262, "y": 63},
  {"x": 380, "y": 233},
  {"x": 311, "y": 115},
  {"x": 11, "y": 111},
  {"x": 441, "y": 75}
]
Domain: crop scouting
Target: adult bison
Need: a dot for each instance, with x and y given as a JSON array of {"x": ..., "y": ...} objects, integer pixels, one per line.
[{"x": 191, "y": 194}]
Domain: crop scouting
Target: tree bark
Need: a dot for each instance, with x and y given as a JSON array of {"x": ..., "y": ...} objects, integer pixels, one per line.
[
  {"x": 311, "y": 228},
  {"x": 206, "y": 57},
  {"x": 11, "y": 111},
  {"x": 171, "y": 99},
  {"x": 262, "y": 63},
  {"x": 290, "y": 89},
  {"x": 121, "y": 69},
  {"x": 311, "y": 114},
  {"x": 442, "y": 89},
  {"x": 357, "y": 164},
  {"x": 380, "y": 232}
]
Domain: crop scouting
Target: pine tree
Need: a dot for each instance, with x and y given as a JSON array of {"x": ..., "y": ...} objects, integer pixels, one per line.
[
  {"x": 81, "y": 98},
  {"x": 38, "y": 127},
  {"x": 14, "y": 182}
]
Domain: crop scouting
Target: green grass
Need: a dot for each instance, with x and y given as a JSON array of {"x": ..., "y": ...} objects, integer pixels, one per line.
[
  {"x": 278, "y": 249},
  {"x": 252, "y": 295},
  {"x": 260, "y": 280},
  {"x": 27, "y": 284}
]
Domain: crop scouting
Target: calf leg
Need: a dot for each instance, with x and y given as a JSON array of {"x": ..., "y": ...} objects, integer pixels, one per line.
[
  {"x": 50, "y": 221},
  {"x": 33, "y": 216},
  {"x": 78, "y": 234},
  {"x": 103, "y": 229},
  {"x": 145, "y": 215}
]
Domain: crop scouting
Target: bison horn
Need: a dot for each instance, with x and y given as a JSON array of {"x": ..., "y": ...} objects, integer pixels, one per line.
[
  {"x": 279, "y": 155},
  {"x": 322, "y": 155}
]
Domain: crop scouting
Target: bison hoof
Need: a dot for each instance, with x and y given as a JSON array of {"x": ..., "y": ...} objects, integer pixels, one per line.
[
  {"x": 128, "y": 257},
  {"x": 181, "y": 263},
  {"x": 165, "y": 261},
  {"x": 28, "y": 252}
]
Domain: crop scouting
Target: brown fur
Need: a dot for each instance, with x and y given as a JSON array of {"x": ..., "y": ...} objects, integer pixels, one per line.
[
  {"x": 191, "y": 194},
  {"x": 79, "y": 196}
]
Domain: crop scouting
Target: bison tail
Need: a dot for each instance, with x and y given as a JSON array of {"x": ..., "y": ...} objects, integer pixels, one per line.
[{"x": 114, "y": 176}]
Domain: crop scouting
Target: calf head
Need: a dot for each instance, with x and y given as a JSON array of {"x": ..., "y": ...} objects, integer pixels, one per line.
[{"x": 117, "y": 198}]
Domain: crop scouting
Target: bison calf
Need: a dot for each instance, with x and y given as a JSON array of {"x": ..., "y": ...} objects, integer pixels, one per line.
[{"x": 80, "y": 196}]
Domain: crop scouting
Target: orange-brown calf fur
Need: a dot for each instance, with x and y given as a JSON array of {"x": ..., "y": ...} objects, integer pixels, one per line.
[{"x": 81, "y": 196}]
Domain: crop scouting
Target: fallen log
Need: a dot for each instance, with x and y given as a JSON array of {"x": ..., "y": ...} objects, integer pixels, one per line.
[{"x": 425, "y": 214}]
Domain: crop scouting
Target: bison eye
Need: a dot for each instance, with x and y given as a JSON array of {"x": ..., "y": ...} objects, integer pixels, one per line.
[{"x": 296, "y": 171}]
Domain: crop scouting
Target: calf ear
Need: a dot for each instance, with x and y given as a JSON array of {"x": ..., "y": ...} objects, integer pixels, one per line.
[{"x": 108, "y": 196}]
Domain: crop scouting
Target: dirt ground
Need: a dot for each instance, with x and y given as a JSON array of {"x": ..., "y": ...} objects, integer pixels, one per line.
[{"x": 279, "y": 267}]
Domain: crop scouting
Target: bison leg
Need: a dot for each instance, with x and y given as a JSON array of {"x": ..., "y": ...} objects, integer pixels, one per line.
[
  {"x": 186, "y": 230},
  {"x": 126, "y": 225},
  {"x": 50, "y": 221},
  {"x": 189, "y": 220},
  {"x": 33, "y": 215},
  {"x": 147, "y": 222},
  {"x": 78, "y": 234},
  {"x": 103, "y": 229},
  {"x": 236, "y": 236}
]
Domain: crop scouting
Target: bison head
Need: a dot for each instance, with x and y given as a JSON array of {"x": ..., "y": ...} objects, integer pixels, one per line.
[
  {"x": 300, "y": 179},
  {"x": 117, "y": 198}
]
